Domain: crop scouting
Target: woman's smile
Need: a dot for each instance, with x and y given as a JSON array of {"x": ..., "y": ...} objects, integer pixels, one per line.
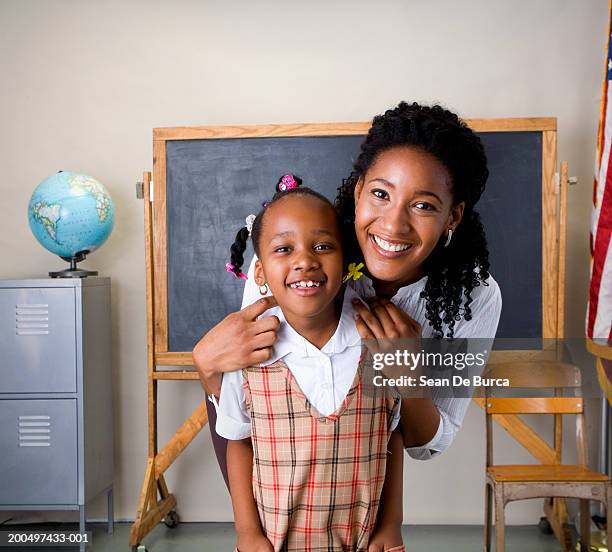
[{"x": 388, "y": 247}]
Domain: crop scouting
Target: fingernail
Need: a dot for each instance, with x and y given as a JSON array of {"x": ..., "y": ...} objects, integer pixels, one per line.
[
  {"x": 357, "y": 317},
  {"x": 356, "y": 301}
]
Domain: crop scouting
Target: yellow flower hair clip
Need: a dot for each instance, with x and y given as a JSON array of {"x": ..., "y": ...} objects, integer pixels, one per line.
[{"x": 353, "y": 272}]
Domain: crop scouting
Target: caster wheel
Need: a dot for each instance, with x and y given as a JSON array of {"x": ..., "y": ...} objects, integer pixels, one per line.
[
  {"x": 600, "y": 522},
  {"x": 171, "y": 519},
  {"x": 544, "y": 526}
]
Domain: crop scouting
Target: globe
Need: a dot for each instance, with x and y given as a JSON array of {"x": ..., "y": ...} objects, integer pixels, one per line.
[{"x": 71, "y": 215}]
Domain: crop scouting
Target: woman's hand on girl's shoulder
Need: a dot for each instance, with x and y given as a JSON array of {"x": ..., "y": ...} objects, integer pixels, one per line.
[
  {"x": 384, "y": 320},
  {"x": 387, "y": 329},
  {"x": 238, "y": 341}
]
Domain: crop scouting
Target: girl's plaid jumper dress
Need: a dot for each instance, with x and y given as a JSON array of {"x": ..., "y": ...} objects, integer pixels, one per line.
[{"x": 317, "y": 480}]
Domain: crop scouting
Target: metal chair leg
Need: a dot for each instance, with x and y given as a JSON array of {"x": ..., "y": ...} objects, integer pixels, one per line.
[
  {"x": 499, "y": 518},
  {"x": 82, "y": 526},
  {"x": 488, "y": 517}
]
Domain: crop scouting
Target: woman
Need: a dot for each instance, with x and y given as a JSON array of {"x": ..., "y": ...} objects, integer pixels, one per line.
[{"x": 408, "y": 212}]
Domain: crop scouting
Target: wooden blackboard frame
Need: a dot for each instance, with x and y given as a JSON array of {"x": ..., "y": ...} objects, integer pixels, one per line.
[{"x": 552, "y": 300}]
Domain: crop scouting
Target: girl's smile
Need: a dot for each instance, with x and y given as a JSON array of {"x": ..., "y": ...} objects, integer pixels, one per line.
[
  {"x": 403, "y": 207},
  {"x": 306, "y": 287}
]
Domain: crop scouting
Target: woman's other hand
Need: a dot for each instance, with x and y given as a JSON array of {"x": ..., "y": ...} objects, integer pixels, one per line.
[
  {"x": 386, "y": 330},
  {"x": 238, "y": 341},
  {"x": 383, "y": 324},
  {"x": 384, "y": 320}
]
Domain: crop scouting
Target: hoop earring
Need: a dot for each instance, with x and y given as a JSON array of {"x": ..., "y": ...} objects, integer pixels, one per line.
[
  {"x": 263, "y": 290},
  {"x": 449, "y": 237}
]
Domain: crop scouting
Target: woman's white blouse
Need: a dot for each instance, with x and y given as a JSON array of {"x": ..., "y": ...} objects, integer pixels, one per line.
[{"x": 486, "y": 309}]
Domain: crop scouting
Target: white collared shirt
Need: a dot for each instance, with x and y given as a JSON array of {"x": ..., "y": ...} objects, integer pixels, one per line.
[
  {"x": 486, "y": 309},
  {"x": 323, "y": 375}
]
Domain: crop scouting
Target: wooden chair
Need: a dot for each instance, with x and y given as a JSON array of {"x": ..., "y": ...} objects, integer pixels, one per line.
[{"x": 554, "y": 479}]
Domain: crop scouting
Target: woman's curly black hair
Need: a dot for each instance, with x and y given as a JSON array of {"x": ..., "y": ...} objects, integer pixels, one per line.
[
  {"x": 238, "y": 248},
  {"x": 452, "y": 271}
]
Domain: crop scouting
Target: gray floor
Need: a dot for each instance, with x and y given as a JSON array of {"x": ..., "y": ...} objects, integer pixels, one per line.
[{"x": 219, "y": 537}]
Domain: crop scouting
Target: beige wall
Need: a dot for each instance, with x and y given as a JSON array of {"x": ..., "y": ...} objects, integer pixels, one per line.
[{"x": 84, "y": 82}]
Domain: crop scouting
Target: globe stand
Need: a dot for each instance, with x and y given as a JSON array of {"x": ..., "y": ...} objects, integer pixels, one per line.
[{"x": 73, "y": 271}]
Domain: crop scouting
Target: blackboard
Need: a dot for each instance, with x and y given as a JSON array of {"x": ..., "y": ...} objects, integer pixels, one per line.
[{"x": 213, "y": 184}]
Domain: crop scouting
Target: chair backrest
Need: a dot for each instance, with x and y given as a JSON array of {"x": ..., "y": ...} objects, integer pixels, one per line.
[{"x": 536, "y": 375}]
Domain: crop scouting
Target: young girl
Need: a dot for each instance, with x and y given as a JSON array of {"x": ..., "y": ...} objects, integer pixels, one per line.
[{"x": 308, "y": 446}]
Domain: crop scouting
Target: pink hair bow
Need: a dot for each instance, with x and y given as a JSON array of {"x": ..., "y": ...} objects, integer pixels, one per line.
[
  {"x": 287, "y": 183},
  {"x": 231, "y": 268}
]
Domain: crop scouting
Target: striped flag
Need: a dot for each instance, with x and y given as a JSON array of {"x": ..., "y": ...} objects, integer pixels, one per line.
[{"x": 599, "y": 312}]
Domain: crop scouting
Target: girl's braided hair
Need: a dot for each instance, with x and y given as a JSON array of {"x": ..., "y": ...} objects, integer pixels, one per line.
[
  {"x": 452, "y": 271},
  {"x": 238, "y": 248}
]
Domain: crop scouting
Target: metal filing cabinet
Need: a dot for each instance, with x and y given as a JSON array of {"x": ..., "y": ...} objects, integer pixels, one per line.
[{"x": 56, "y": 417}]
